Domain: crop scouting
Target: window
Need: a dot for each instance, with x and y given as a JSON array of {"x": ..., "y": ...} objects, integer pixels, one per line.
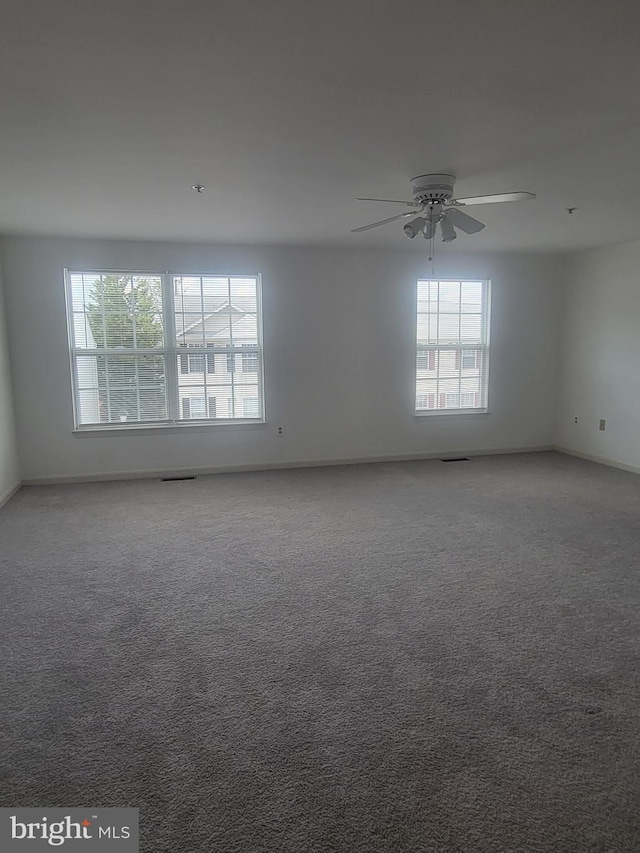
[
  {"x": 452, "y": 354},
  {"x": 151, "y": 348},
  {"x": 426, "y": 359},
  {"x": 251, "y": 407},
  {"x": 470, "y": 360},
  {"x": 250, "y": 362},
  {"x": 196, "y": 363},
  {"x": 464, "y": 400},
  {"x": 193, "y": 408},
  {"x": 425, "y": 401}
]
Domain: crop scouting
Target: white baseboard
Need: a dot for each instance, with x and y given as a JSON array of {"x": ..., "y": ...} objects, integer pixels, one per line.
[
  {"x": 98, "y": 477},
  {"x": 601, "y": 460},
  {"x": 6, "y": 496}
]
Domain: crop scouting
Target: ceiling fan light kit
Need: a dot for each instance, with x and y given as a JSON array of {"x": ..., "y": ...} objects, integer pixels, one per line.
[
  {"x": 447, "y": 230},
  {"x": 412, "y": 229},
  {"x": 435, "y": 205}
]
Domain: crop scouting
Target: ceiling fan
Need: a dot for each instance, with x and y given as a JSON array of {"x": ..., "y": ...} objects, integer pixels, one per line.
[{"x": 434, "y": 204}]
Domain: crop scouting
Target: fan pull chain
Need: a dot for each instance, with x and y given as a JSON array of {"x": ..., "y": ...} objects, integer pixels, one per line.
[{"x": 432, "y": 248}]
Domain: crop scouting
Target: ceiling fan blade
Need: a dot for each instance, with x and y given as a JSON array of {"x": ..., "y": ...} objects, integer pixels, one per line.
[
  {"x": 391, "y": 201},
  {"x": 463, "y": 221},
  {"x": 492, "y": 199},
  {"x": 384, "y": 221}
]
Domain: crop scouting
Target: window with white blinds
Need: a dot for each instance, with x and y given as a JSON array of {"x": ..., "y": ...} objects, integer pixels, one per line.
[
  {"x": 160, "y": 348},
  {"x": 452, "y": 360}
]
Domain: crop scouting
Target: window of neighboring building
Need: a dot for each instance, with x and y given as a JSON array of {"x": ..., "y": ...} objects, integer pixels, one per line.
[
  {"x": 426, "y": 359},
  {"x": 195, "y": 363},
  {"x": 452, "y": 350},
  {"x": 250, "y": 363},
  {"x": 251, "y": 405},
  {"x": 144, "y": 347},
  {"x": 425, "y": 401},
  {"x": 193, "y": 408},
  {"x": 470, "y": 359},
  {"x": 246, "y": 362},
  {"x": 192, "y": 363},
  {"x": 455, "y": 400}
]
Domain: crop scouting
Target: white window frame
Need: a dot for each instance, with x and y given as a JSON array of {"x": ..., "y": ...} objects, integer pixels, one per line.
[
  {"x": 170, "y": 353},
  {"x": 483, "y": 347}
]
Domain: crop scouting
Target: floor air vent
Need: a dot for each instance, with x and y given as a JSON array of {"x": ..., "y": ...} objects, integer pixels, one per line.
[
  {"x": 456, "y": 459},
  {"x": 174, "y": 479}
]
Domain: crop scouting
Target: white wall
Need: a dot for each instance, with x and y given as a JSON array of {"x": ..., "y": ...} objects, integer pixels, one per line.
[
  {"x": 600, "y": 355},
  {"x": 9, "y": 469},
  {"x": 342, "y": 321}
]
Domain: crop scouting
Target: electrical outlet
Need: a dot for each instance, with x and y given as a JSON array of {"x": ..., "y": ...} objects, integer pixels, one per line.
[
  {"x": 603, "y": 424},
  {"x": 575, "y": 420},
  {"x": 280, "y": 430}
]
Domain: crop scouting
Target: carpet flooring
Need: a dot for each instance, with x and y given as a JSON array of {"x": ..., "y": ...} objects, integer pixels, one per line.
[{"x": 403, "y": 657}]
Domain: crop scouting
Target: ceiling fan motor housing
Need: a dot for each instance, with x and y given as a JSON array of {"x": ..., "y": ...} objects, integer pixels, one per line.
[{"x": 432, "y": 189}]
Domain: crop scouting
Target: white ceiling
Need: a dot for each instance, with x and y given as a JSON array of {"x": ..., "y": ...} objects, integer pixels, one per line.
[{"x": 286, "y": 109}]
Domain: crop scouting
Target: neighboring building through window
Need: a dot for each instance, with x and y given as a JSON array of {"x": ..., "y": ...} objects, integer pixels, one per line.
[
  {"x": 470, "y": 359},
  {"x": 251, "y": 407},
  {"x": 425, "y": 401},
  {"x": 245, "y": 362},
  {"x": 156, "y": 348},
  {"x": 249, "y": 362},
  {"x": 452, "y": 355}
]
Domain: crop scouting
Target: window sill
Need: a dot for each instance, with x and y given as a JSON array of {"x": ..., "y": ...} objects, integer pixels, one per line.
[
  {"x": 453, "y": 413},
  {"x": 150, "y": 429}
]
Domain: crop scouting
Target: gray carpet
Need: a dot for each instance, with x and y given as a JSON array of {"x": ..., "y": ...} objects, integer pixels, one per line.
[{"x": 395, "y": 657}]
